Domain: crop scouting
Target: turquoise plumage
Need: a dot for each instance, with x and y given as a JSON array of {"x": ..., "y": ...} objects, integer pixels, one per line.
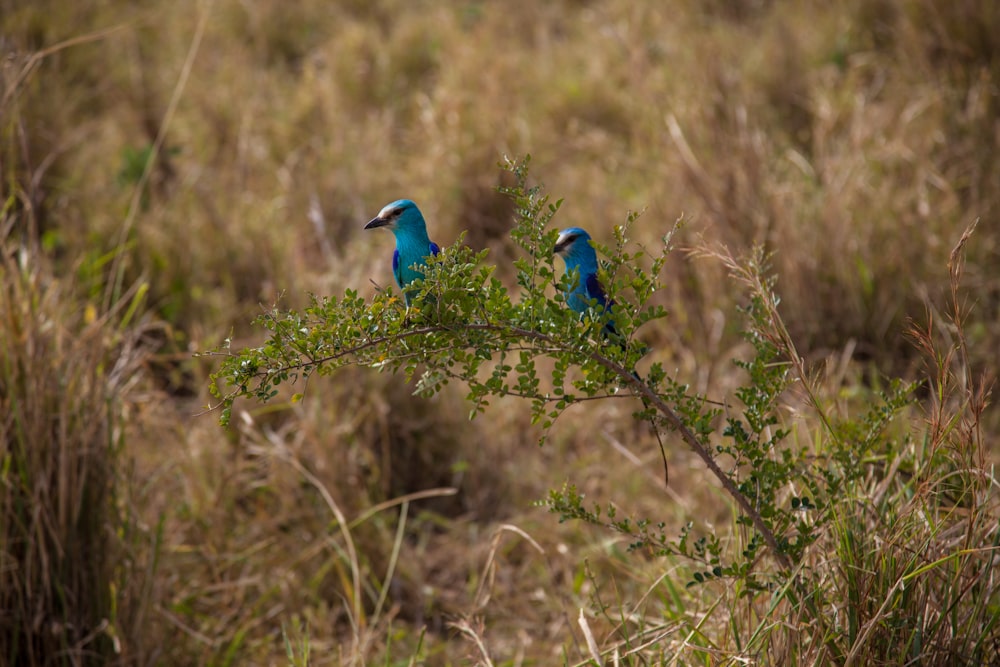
[
  {"x": 413, "y": 246},
  {"x": 573, "y": 245}
]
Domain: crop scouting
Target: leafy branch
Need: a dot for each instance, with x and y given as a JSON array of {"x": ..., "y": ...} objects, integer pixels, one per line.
[{"x": 465, "y": 325}]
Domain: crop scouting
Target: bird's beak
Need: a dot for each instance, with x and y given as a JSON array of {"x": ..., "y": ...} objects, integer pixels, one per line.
[
  {"x": 376, "y": 222},
  {"x": 561, "y": 244}
]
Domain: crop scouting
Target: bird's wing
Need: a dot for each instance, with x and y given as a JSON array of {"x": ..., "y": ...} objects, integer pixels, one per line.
[
  {"x": 396, "y": 269},
  {"x": 595, "y": 291},
  {"x": 434, "y": 249}
]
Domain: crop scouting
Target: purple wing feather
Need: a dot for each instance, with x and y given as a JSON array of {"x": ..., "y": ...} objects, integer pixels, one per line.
[
  {"x": 395, "y": 268},
  {"x": 595, "y": 291}
]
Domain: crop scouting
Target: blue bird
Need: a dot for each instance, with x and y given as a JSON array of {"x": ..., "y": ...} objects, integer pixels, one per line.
[
  {"x": 573, "y": 245},
  {"x": 413, "y": 246}
]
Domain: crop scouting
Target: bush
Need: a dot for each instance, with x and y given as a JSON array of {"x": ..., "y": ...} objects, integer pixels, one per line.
[{"x": 820, "y": 524}]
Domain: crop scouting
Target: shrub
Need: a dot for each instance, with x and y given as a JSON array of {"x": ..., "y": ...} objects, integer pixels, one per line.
[{"x": 819, "y": 524}]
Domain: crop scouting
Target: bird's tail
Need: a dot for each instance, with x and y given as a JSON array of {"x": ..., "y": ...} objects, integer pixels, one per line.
[{"x": 654, "y": 425}]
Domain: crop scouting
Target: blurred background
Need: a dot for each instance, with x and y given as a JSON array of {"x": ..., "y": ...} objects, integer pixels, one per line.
[{"x": 170, "y": 169}]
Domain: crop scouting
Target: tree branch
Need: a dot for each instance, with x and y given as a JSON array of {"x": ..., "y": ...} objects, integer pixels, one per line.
[{"x": 639, "y": 388}]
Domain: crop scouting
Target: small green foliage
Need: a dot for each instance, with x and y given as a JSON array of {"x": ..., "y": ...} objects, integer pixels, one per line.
[
  {"x": 296, "y": 640},
  {"x": 464, "y": 325},
  {"x": 463, "y": 320}
]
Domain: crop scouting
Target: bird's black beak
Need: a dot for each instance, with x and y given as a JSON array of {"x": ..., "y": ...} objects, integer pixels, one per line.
[
  {"x": 561, "y": 245},
  {"x": 376, "y": 222}
]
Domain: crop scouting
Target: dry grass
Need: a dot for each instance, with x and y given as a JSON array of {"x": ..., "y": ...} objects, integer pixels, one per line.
[
  {"x": 70, "y": 562},
  {"x": 856, "y": 140}
]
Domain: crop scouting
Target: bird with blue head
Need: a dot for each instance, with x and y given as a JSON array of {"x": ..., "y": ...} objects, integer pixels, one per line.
[
  {"x": 413, "y": 246},
  {"x": 584, "y": 287}
]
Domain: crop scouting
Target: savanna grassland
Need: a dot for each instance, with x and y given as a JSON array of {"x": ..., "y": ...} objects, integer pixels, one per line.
[{"x": 171, "y": 169}]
